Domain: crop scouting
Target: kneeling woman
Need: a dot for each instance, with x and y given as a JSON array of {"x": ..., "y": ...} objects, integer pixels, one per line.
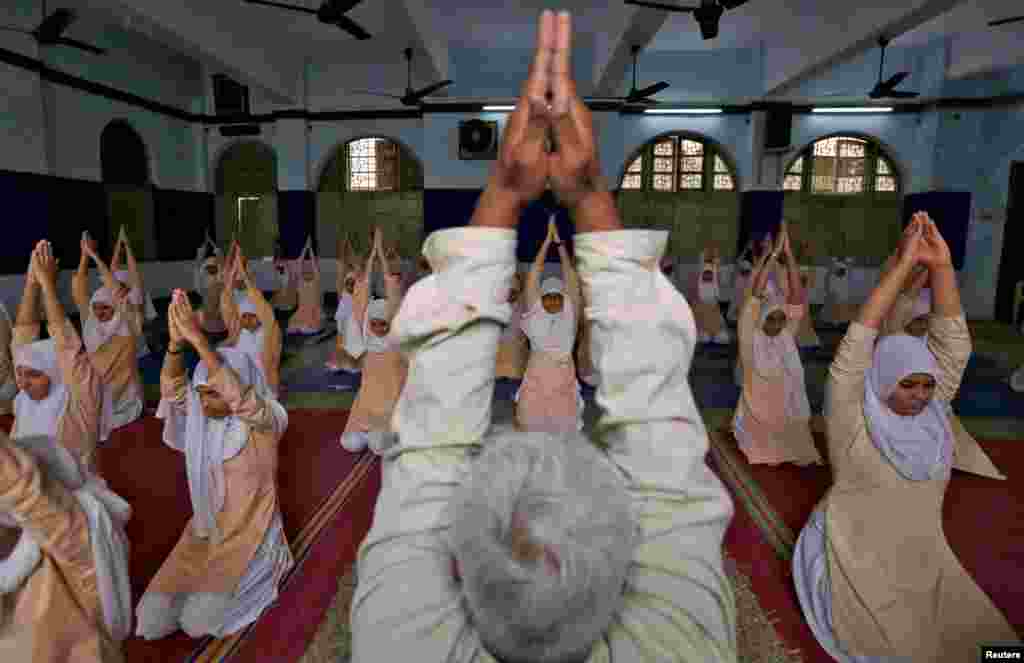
[
  {"x": 111, "y": 332},
  {"x": 772, "y": 420},
  {"x": 549, "y": 399},
  {"x": 227, "y": 566},
  {"x": 874, "y": 573},
  {"x": 384, "y": 366}
]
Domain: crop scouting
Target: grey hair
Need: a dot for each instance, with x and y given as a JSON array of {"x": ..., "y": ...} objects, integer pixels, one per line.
[{"x": 572, "y": 500}]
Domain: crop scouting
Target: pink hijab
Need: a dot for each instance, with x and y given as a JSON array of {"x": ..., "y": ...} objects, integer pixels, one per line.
[{"x": 778, "y": 358}]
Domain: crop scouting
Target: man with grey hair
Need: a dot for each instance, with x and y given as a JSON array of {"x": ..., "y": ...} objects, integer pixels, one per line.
[{"x": 509, "y": 546}]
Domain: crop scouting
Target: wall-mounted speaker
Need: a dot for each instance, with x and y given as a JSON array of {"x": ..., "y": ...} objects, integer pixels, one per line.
[
  {"x": 478, "y": 140},
  {"x": 778, "y": 128},
  {"x": 233, "y": 130},
  {"x": 229, "y": 97}
]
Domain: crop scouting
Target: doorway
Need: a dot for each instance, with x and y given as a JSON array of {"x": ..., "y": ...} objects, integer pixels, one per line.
[{"x": 1011, "y": 267}]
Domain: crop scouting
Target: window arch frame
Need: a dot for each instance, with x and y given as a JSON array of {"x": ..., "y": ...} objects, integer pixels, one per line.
[
  {"x": 874, "y": 151},
  {"x": 226, "y": 149},
  {"x": 712, "y": 148}
]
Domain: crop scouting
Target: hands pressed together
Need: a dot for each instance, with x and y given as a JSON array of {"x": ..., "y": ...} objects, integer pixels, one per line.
[{"x": 922, "y": 244}]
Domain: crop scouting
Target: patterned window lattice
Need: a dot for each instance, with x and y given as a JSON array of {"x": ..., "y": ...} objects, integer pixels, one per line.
[
  {"x": 840, "y": 165},
  {"x": 373, "y": 165},
  {"x": 679, "y": 164}
]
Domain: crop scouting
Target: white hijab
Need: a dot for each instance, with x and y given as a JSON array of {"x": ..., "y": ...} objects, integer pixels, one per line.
[
  {"x": 97, "y": 333},
  {"x": 341, "y": 316},
  {"x": 778, "y": 356},
  {"x": 209, "y": 442},
  {"x": 250, "y": 342},
  {"x": 553, "y": 333},
  {"x": 377, "y": 310},
  {"x": 40, "y": 418},
  {"x": 919, "y": 447}
]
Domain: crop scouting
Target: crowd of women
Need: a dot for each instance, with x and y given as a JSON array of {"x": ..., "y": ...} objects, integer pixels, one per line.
[{"x": 892, "y": 438}]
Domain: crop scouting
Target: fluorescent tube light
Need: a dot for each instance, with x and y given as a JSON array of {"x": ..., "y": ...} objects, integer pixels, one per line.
[
  {"x": 499, "y": 108},
  {"x": 854, "y": 109},
  {"x": 682, "y": 111}
]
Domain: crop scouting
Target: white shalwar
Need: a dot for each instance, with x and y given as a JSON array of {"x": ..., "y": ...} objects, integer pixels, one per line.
[{"x": 679, "y": 603}]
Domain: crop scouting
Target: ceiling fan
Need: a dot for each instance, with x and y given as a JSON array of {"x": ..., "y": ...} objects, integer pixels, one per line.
[
  {"x": 708, "y": 14},
  {"x": 884, "y": 89},
  {"x": 1005, "y": 21},
  {"x": 642, "y": 95},
  {"x": 50, "y": 31},
  {"x": 331, "y": 12},
  {"x": 411, "y": 97}
]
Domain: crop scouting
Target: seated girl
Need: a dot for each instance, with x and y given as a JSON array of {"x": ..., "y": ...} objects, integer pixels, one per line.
[
  {"x": 873, "y": 571},
  {"x": 308, "y": 319},
  {"x": 340, "y": 359},
  {"x": 772, "y": 419},
  {"x": 703, "y": 295},
  {"x": 252, "y": 327}
]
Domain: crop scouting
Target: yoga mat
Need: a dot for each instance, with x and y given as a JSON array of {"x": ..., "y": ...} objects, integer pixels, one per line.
[
  {"x": 785, "y": 495},
  {"x": 318, "y": 378},
  {"x": 151, "y": 477}
]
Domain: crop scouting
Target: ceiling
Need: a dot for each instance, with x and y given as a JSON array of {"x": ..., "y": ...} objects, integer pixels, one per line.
[{"x": 800, "y": 39}]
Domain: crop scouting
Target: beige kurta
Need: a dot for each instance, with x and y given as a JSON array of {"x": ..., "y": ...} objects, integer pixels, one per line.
[
  {"x": 118, "y": 365},
  {"x": 56, "y": 615},
  {"x": 287, "y": 297},
  {"x": 79, "y": 428},
  {"x": 897, "y": 587},
  {"x": 250, "y": 496},
  {"x": 772, "y": 437}
]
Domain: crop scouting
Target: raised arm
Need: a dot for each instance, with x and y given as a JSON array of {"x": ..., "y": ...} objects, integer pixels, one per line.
[
  {"x": 134, "y": 273},
  {"x": 531, "y": 290},
  {"x": 228, "y": 306},
  {"x": 572, "y": 280},
  {"x": 949, "y": 338},
  {"x": 115, "y": 260},
  {"x": 273, "y": 340},
  {"x": 28, "y": 308},
  {"x": 80, "y": 281}
]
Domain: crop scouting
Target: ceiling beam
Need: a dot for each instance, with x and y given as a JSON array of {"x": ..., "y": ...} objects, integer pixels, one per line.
[
  {"x": 843, "y": 37},
  {"x": 612, "y": 55},
  {"x": 430, "y": 39},
  {"x": 200, "y": 35}
]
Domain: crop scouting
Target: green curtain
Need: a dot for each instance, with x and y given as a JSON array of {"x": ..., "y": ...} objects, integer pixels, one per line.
[
  {"x": 694, "y": 219},
  {"x": 399, "y": 214},
  {"x": 865, "y": 227},
  {"x": 259, "y": 231},
  {"x": 134, "y": 210}
]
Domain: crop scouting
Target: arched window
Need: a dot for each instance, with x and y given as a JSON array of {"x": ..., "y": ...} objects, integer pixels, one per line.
[
  {"x": 679, "y": 163},
  {"x": 842, "y": 165}
]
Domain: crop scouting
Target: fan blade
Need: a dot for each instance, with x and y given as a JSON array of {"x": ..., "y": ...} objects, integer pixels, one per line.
[
  {"x": 895, "y": 80},
  {"x": 54, "y": 25},
  {"x": 342, "y": 6},
  {"x": 429, "y": 90},
  {"x": 1004, "y": 21},
  {"x": 649, "y": 91},
  {"x": 280, "y": 5},
  {"x": 351, "y": 27},
  {"x": 732, "y": 4},
  {"x": 373, "y": 93},
  {"x": 708, "y": 29},
  {"x": 74, "y": 43},
  {"x": 658, "y": 5},
  {"x": 899, "y": 94}
]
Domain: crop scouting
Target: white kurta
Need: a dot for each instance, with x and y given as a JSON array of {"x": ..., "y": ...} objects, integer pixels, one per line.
[{"x": 679, "y": 604}]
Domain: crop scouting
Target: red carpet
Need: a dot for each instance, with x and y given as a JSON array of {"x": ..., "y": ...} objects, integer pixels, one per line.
[
  {"x": 983, "y": 518},
  {"x": 151, "y": 477},
  {"x": 771, "y": 579}
]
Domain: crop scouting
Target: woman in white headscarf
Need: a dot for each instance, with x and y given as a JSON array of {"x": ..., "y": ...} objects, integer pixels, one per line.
[
  {"x": 340, "y": 359},
  {"x": 65, "y": 592},
  {"x": 252, "y": 327},
  {"x": 132, "y": 277},
  {"x": 704, "y": 295},
  {"x": 8, "y": 382},
  {"x": 111, "y": 333},
  {"x": 227, "y": 566},
  {"x": 384, "y": 367},
  {"x": 873, "y": 571},
  {"x": 772, "y": 419},
  {"x": 308, "y": 319},
  {"x": 209, "y": 284},
  {"x": 549, "y": 399},
  {"x": 60, "y": 391}
]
